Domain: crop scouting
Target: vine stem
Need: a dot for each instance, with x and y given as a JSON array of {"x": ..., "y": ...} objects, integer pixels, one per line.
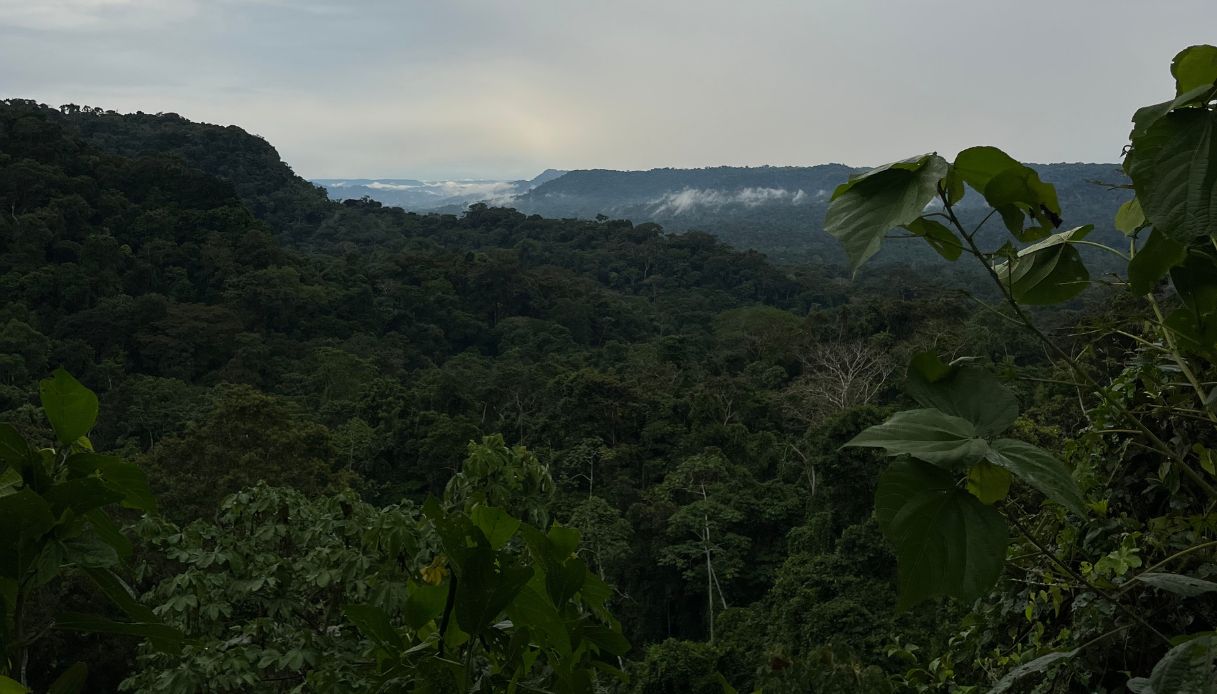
[
  {"x": 1164, "y": 562},
  {"x": 1179, "y": 360},
  {"x": 1114, "y": 600},
  {"x": 1054, "y": 348}
]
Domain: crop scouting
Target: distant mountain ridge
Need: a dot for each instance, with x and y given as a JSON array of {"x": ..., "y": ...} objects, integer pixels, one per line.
[
  {"x": 426, "y": 196},
  {"x": 778, "y": 210}
]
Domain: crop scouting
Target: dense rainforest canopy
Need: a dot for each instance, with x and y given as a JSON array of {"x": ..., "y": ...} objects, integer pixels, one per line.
[{"x": 303, "y": 445}]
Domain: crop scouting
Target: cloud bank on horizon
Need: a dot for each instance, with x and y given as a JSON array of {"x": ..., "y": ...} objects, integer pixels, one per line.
[{"x": 497, "y": 90}]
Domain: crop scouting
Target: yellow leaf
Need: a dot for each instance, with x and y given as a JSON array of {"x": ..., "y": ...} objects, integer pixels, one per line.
[{"x": 435, "y": 572}]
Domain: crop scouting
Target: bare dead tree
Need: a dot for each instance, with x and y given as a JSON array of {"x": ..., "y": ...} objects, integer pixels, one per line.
[{"x": 836, "y": 376}]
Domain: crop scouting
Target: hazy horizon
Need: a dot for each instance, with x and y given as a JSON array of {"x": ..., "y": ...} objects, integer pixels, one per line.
[{"x": 472, "y": 90}]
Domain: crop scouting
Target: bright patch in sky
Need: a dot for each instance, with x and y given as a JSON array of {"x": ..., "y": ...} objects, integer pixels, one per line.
[{"x": 498, "y": 90}]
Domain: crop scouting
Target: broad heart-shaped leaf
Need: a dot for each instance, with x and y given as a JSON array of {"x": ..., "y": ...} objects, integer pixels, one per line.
[
  {"x": 1151, "y": 263},
  {"x": 869, "y": 205},
  {"x": 1185, "y": 669},
  {"x": 1173, "y": 167},
  {"x": 12, "y": 686},
  {"x": 14, "y": 451},
  {"x": 424, "y": 603},
  {"x": 1019, "y": 192},
  {"x": 70, "y": 406},
  {"x": 940, "y": 238},
  {"x": 953, "y": 185},
  {"x": 947, "y": 542},
  {"x": 81, "y": 495},
  {"x": 1194, "y": 67},
  {"x": 1038, "y": 665},
  {"x": 374, "y": 623},
  {"x": 978, "y": 165},
  {"x": 1038, "y": 468},
  {"x": 24, "y": 517},
  {"x": 1195, "y": 281},
  {"x": 1186, "y": 586},
  {"x": 1010, "y": 187},
  {"x": 1047, "y": 272},
  {"x": 929, "y": 435},
  {"x": 119, "y": 593},
  {"x": 126, "y": 479},
  {"x": 535, "y": 612},
  {"x": 495, "y": 523},
  {"x": 970, "y": 392},
  {"x": 161, "y": 636},
  {"x": 70, "y": 681},
  {"x": 1130, "y": 217}
]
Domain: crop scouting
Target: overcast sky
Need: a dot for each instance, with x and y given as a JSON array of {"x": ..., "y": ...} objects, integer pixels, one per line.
[{"x": 454, "y": 88}]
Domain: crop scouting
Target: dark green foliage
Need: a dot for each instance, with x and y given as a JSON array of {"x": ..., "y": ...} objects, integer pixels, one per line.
[{"x": 362, "y": 424}]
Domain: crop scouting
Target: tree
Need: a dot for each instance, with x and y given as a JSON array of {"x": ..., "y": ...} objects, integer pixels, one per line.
[
  {"x": 245, "y": 437},
  {"x": 702, "y": 528}
]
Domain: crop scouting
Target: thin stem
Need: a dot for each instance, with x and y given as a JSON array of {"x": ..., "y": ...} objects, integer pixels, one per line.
[
  {"x": 1109, "y": 249},
  {"x": 1082, "y": 580},
  {"x": 1164, "y": 562},
  {"x": 1183, "y": 365},
  {"x": 1078, "y": 371}
]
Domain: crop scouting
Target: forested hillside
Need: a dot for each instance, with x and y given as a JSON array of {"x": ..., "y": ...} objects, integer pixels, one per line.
[
  {"x": 237, "y": 327},
  {"x": 387, "y": 451}
]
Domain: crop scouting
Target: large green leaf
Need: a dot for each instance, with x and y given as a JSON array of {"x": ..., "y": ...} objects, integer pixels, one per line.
[
  {"x": 109, "y": 532},
  {"x": 1017, "y": 193},
  {"x": 1185, "y": 669},
  {"x": 947, "y": 542},
  {"x": 374, "y": 623},
  {"x": 940, "y": 238},
  {"x": 1186, "y": 586},
  {"x": 1151, "y": 263},
  {"x": 162, "y": 636},
  {"x": 1040, "y": 469},
  {"x": 979, "y": 165},
  {"x": 119, "y": 593},
  {"x": 1011, "y": 188},
  {"x": 25, "y": 517},
  {"x": 14, "y": 451},
  {"x": 1194, "y": 67},
  {"x": 988, "y": 482},
  {"x": 424, "y": 603},
  {"x": 1040, "y": 664},
  {"x": 88, "y": 550},
  {"x": 929, "y": 435},
  {"x": 1173, "y": 167},
  {"x": 535, "y": 612},
  {"x": 12, "y": 686},
  {"x": 970, "y": 392},
  {"x": 495, "y": 523},
  {"x": 127, "y": 479},
  {"x": 1047, "y": 272},
  {"x": 81, "y": 495},
  {"x": 1195, "y": 280},
  {"x": 70, "y": 406},
  {"x": 483, "y": 593},
  {"x": 606, "y": 639},
  {"x": 71, "y": 681},
  {"x": 1130, "y": 217},
  {"x": 871, "y": 204}
]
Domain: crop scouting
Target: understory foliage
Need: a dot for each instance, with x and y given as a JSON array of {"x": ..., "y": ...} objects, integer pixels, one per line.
[{"x": 340, "y": 447}]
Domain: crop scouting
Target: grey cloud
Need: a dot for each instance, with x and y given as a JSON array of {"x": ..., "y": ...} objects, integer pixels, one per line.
[{"x": 492, "y": 89}]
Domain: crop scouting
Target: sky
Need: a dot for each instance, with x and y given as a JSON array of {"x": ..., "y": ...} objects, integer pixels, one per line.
[{"x": 504, "y": 89}]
